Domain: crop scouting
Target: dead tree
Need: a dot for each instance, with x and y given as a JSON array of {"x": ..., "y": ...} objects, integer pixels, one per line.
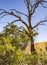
[{"x": 31, "y": 8}]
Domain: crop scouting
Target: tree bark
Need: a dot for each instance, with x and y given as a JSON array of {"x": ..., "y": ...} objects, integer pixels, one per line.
[{"x": 32, "y": 45}]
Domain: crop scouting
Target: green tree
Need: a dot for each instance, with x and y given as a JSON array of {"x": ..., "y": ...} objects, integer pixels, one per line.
[{"x": 30, "y": 30}]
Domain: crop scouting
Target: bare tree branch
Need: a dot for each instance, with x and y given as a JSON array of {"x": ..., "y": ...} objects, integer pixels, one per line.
[
  {"x": 43, "y": 5},
  {"x": 34, "y": 7},
  {"x": 19, "y": 12},
  {"x": 28, "y": 5},
  {"x": 39, "y": 23},
  {"x": 15, "y": 21},
  {"x": 37, "y": 4},
  {"x": 4, "y": 15},
  {"x": 12, "y": 13}
]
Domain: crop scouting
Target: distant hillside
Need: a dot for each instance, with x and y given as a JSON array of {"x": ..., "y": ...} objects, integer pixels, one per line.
[{"x": 41, "y": 46}]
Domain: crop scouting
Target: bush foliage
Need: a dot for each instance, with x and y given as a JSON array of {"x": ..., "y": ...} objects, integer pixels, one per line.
[
  {"x": 10, "y": 49},
  {"x": 11, "y": 56}
]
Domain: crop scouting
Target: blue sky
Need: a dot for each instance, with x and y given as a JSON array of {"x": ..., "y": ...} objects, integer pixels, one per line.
[{"x": 19, "y": 5}]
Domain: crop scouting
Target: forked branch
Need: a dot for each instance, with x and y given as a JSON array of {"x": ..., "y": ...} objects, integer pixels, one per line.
[
  {"x": 37, "y": 4},
  {"x": 4, "y": 12}
]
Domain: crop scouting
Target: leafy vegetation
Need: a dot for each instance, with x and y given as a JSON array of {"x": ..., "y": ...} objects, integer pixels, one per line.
[
  {"x": 18, "y": 57},
  {"x": 11, "y": 52}
]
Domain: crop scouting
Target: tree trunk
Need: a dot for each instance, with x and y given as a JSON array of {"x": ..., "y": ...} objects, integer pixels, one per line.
[{"x": 32, "y": 45}]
